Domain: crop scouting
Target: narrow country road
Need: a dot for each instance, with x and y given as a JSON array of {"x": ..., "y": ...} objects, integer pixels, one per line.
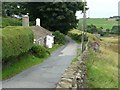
[{"x": 47, "y": 74}]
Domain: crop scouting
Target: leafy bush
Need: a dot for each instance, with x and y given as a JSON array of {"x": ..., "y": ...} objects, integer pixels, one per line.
[
  {"x": 11, "y": 22},
  {"x": 92, "y": 29},
  {"x": 59, "y": 38},
  {"x": 39, "y": 51},
  {"x": 116, "y": 30},
  {"x": 16, "y": 40}
]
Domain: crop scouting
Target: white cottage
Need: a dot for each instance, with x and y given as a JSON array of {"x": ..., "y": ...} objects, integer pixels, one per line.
[{"x": 42, "y": 35}]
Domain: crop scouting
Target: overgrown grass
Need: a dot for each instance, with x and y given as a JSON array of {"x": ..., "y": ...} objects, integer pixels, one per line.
[
  {"x": 102, "y": 68},
  {"x": 24, "y": 62},
  {"x": 75, "y": 59},
  {"x": 78, "y": 54}
]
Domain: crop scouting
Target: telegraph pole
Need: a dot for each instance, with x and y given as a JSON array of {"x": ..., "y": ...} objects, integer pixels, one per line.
[{"x": 84, "y": 25}]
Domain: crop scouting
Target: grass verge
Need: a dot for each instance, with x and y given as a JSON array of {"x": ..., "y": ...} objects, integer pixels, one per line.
[
  {"x": 24, "y": 62},
  {"x": 56, "y": 46},
  {"x": 78, "y": 54},
  {"x": 102, "y": 68}
]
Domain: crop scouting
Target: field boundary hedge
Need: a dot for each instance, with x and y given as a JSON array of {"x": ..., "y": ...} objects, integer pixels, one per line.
[{"x": 77, "y": 36}]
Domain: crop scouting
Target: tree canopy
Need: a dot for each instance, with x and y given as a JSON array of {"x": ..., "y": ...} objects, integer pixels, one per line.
[
  {"x": 54, "y": 15},
  {"x": 11, "y": 8}
]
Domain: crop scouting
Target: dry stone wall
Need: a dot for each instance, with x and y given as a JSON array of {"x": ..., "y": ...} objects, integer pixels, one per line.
[{"x": 74, "y": 76}]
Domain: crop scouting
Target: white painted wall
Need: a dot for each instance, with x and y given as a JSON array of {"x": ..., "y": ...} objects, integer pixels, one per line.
[{"x": 49, "y": 41}]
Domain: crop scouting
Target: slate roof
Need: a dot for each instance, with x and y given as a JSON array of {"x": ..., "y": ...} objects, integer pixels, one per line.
[{"x": 40, "y": 32}]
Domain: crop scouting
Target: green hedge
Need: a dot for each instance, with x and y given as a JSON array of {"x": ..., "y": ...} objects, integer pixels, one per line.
[
  {"x": 40, "y": 51},
  {"x": 78, "y": 37},
  {"x": 59, "y": 37},
  {"x": 16, "y": 40}
]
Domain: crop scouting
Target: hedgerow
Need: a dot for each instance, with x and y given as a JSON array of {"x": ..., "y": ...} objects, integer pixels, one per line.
[
  {"x": 16, "y": 40},
  {"x": 77, "y": 37},
  {"x": 39, "y": 51},
  {"x": 59, "y": 37}
]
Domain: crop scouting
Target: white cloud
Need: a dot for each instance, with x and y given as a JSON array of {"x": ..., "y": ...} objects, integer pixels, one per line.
[{"x": 101, "y": 8}]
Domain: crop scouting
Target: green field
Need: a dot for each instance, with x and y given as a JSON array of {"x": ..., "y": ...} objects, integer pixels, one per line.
[{"x": 100, "y": 22}]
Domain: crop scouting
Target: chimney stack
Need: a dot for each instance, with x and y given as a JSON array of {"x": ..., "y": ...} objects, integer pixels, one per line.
[
  {"x": 37, "y": 22},
  {"x": 25, "y": 20}
]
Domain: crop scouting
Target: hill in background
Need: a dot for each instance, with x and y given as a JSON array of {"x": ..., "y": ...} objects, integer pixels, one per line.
[{"x": 100, "y": 22}]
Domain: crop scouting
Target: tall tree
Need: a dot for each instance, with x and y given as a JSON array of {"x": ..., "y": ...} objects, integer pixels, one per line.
[
  {"x": 11, "y": 8},
  {"x": 55, "y": 15}
]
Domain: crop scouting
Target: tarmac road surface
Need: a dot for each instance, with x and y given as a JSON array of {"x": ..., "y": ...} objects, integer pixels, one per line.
[{"x": 46, "y": 74}]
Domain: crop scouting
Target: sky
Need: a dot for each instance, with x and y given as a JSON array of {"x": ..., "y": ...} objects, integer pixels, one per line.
[{"x": 100, "y": 9}]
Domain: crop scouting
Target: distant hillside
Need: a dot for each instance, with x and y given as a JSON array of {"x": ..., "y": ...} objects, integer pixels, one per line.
[{"x": 100, "y": 22}]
